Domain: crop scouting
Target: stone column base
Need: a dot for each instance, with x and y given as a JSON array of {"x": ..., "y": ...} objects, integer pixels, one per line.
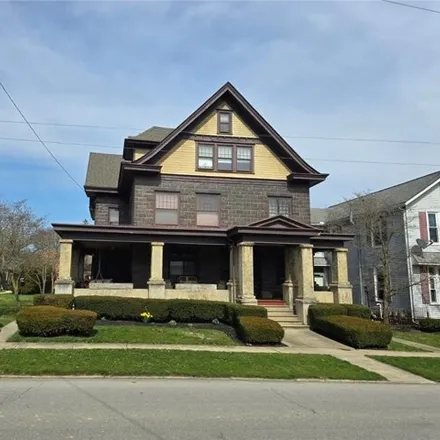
[
  {"x": 288, "y": 294},
  {"x": 64, "y": 287},
  {"x": 342, "y": 294},
  {"x": 302, "y": 308},
  {"x": 156, "y": 289},
  {"x": 249, "y": 301}
]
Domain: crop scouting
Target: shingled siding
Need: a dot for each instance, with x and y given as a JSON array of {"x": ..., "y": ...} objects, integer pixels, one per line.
[
  {"x": 102, "y": 205},
  {"x": 241, "y": 202}
]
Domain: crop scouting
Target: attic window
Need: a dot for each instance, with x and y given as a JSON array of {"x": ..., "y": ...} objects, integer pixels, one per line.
[{"x": 224, "y": 122}]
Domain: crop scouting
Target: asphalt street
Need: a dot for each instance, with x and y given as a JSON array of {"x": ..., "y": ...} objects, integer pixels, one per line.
[{"x": 189, "y": 409}]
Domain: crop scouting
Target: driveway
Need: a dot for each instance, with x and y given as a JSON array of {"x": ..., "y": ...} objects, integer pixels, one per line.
[{"x": 115, "y": 409}]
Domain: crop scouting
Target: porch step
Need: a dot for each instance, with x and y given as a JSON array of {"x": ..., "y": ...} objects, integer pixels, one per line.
[{"x": 283, "y": 315}]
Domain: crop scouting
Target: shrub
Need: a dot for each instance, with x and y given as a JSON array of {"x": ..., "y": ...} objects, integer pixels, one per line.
[
  {"x": 429, "y": 325},
  {"x": 234, "y": 311},
  {"x": 63, "y": 301},
  {"x": 184, "y": 310},
  {"x": 257, "y": 330},
  {"x": 358, "y": 310},
  {"x": 322, "y": 310},
  {"x": 354, "y": 331},
  {"x": 54, "y": 321},
  {"x": 9, "y": 309},
  {"x": 113, "y": 307}
]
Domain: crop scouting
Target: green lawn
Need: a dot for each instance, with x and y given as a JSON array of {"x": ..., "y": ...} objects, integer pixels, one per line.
[
  {"x": 178, "y": 363},
  {"x": 428, "y": 368},
  {"x": 397, "y": 346},
  {"x": 139, "y": 334},
  {"x": 432, "y": 339},
  {"x": 8, "y": 306}
]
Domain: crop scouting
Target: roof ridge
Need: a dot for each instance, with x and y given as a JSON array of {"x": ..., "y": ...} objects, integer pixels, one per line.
[{"x": 387, "y": 188}]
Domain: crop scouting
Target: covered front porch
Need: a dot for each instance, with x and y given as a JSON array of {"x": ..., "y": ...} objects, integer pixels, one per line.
[{"x": 277, "y": 259}]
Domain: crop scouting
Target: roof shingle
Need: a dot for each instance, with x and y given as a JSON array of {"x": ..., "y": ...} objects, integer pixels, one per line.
[
  {"x": 103, "y": 170},
  {"x": 153, "y": 134}
]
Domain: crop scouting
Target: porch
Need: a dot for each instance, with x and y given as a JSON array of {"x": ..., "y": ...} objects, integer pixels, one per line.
[{"x": 274, "y": 259}]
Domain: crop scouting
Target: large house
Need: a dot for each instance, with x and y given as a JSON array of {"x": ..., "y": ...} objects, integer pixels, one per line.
[
  {"x": 217, "y": 208},
  {"x": 408, "y": 220}
]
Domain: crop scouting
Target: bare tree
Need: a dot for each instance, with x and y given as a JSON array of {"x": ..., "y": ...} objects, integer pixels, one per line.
[
  {"x": 18, "y": 227},
  {"x": 379, "y": 237},
  {"x": 42, "y": 261}
]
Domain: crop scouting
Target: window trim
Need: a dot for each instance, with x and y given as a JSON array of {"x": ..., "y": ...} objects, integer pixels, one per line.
[
  {"x": 436, "y": 278},
  {"x": 224, "y": 112},
  {"x": 437, "y": 218},
  {"x": 217, "y": 195},
  {"x": 277, "y": 198},
  {"x": 161, "y": 209},
  {"x": 234, "y": 146}
]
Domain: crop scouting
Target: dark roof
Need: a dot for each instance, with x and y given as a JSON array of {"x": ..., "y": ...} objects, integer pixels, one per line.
[
  {"x": 153, "y": 134},
  {"x": 318, "y": 216},
  {"x": 103, "y": 170},
  {"x": 394, "y": 196}
]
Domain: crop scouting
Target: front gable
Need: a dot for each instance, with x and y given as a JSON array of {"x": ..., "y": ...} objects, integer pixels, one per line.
[
  {"x": 272, "y": 157},
  {"x": 281, "y": 221}
]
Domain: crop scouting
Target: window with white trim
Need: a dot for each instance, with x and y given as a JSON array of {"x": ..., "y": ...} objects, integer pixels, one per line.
[
  {"x": 433, "y": 226},
  {"x": 434, "y": 284},
  {"x": 379, "y": 284}
]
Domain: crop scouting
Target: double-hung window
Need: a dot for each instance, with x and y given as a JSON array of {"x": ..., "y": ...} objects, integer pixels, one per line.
[
  {"x": 167, "y": 208},
  {"x": 205, "y": 161},
  {"x": 434, "y": 284},
  {"x": 433, "y": 227},
  {"x": 225, "y": 157},
  {"x": 113, "y": 214},
  {"x": 224, "y": 122},
  {"x": 279, "y": 206},
  {"x": 208, "y": 209}
]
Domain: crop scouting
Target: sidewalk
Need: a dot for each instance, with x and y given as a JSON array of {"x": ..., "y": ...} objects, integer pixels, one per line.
[{"x": 356, "y": 357}]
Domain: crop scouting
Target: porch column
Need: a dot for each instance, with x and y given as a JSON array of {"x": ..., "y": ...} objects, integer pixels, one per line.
[
  {"x": 340, "y": 286},
  {"x": 246, "y": 273},
  {"x": 232, "y": 283},
  {"x": 304, "y": 290},
  {"x": 288, "y": 284},
  {"x": 74, "y": 272},
  {"x": 156, "y": 283},
  {"x": 64, "y": 283}
]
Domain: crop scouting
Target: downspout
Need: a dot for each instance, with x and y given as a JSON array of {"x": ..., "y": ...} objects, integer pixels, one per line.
[
  {"x": 361, "y": 281},
  {"x": 409, "y": 265}
]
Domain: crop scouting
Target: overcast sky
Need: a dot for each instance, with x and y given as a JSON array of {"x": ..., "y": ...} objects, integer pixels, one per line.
[{"x": 325, "y": 69}]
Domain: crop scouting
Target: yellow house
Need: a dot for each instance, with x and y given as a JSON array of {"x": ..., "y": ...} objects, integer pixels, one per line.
[{"x": 216, "y": 208}]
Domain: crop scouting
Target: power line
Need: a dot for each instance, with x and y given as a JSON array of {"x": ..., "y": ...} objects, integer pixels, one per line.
[
  {"x": 306, "y": 158},
  {"x": 38, "y": 137},
  {"x": 320, "y": 138},
  {"x": 435, "y": 11}
]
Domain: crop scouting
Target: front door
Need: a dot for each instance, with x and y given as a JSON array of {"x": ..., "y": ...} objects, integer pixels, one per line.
[{"x": 268, "y": 272}]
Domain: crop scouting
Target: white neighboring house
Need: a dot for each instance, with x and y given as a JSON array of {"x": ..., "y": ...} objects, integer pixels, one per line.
[{"x": 418, "y": 218}]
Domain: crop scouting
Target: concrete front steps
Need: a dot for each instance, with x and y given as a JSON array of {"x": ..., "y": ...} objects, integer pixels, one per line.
[{"x": 278, "y": 311}]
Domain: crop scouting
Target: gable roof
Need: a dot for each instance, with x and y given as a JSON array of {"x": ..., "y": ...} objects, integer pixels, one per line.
[
  {"x": 393, "y": 196},
  {"x": 103, "y": 171},
  {"x": 153, "y": 134},
  {"x": 281, "y": 221},
  {"x": 229, "y": 91},
  {"x": 318, "y": 216}
]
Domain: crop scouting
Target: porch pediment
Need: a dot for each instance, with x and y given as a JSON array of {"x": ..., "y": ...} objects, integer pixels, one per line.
[{"x": 281, "y": 221}]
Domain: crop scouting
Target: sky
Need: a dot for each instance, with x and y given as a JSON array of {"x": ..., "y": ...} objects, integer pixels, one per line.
[{"x": 313, "y": 69}]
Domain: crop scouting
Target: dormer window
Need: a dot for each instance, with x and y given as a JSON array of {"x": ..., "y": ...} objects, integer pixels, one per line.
[{"x": 224, "y": 122}]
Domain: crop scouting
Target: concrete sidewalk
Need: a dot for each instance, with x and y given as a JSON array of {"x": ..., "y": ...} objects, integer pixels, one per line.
[{"x": 323, "y": 346}]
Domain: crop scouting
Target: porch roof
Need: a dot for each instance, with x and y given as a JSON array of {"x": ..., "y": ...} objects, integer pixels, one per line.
[{"x": 277, "y": 230}]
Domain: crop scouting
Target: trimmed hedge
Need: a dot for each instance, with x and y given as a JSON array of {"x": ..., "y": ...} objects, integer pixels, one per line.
[
  {"x": 358, "y": 310},
  {"x": 54, "y": 321},
  {"x": 257, "y": 330},
  {"x": 322, "y": 310},
  {"x": 429, "y": 325},
  {"x": 235, "y": 311},
  {"x": 354, "y": 331},
  {"x": 63, "y": 301},
  {"x": 184, "y": 310}
]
